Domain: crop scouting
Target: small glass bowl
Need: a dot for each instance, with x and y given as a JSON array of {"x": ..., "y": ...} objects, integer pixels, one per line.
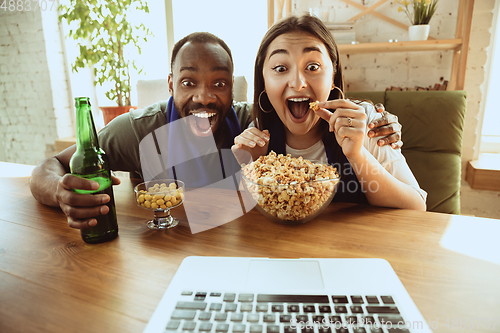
[
  {"x": 160, "y": 196},
  {"x": 294, "y": 203}
]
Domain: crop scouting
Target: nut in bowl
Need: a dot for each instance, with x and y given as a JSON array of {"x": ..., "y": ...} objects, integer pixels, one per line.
[
  {"x": 160, "y": 196},
  {"x": 290, "y": 190}
]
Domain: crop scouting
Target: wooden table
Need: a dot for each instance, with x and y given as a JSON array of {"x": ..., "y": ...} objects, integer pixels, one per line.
[{"x": 51, "y": 281}]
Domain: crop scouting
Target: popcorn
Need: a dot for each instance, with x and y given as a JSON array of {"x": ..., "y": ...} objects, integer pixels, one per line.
[
  {"x": 290, "y": 188},
  {"x": 314, "y": 106}
]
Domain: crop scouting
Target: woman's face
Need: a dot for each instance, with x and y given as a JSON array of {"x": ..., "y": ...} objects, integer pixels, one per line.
[{"x": 297, "y": 70}]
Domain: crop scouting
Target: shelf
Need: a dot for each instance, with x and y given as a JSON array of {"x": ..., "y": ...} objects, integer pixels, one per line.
[
  {"x": 409, "y": 46},
  {"x": 484, "y": 173}
]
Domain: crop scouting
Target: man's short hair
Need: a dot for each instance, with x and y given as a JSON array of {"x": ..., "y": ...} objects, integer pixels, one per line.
[{"x": 200, "y": 37}]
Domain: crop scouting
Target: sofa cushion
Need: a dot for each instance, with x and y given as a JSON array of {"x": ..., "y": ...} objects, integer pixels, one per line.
[
  {"x": 432, "y": 120},
  {"x": 150, "y": 92},
  {"x": 432, "y": 135},
  {"x": 439, "y": 175}
]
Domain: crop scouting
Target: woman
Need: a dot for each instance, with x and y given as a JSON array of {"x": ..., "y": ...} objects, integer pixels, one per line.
[{"x": 298, "y": 63}]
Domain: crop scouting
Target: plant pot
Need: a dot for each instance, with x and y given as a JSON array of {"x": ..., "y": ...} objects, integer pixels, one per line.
[
  {"x": 111, "y": 112},
  {"x": 419, "y": 32}
]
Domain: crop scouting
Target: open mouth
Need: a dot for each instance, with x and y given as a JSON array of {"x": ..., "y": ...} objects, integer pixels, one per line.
[
  {"x": 299, "y": 108},
  {"x": 203, "y": 122}
]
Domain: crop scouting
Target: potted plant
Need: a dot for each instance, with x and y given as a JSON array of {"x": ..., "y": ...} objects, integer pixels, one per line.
[
  {"x": 420, "y": 13},
  {"x": 104, "y": 35}
]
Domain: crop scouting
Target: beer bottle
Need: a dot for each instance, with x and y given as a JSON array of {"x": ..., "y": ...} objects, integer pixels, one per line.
[{"x": 90, "y": 162}]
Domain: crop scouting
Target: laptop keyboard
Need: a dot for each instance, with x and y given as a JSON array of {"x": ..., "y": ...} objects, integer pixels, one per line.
[{"x": 215, "y": 312}]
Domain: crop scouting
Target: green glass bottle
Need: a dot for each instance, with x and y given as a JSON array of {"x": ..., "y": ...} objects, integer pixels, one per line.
[{"x": 90, "y": 162}]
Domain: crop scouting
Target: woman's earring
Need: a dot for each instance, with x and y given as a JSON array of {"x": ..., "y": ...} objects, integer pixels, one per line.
[
  {"x": 341, "y": 92},
  {"x": 260, "y": 105}
]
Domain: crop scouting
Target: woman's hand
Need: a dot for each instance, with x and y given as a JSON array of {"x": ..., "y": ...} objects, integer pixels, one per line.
[
  {"x": 348, "y": 122},
  {"x": 251, "y": 144}
]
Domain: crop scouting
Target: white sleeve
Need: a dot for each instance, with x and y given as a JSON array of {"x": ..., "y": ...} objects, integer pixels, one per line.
[{"x": 391, "y": 159}]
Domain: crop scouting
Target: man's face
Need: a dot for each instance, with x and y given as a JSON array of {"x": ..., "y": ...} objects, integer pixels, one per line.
[{"x": 201, "y": 84}]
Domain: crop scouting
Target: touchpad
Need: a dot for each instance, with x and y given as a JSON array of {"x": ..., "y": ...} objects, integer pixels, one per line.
[{"x": 284, "y": 274}]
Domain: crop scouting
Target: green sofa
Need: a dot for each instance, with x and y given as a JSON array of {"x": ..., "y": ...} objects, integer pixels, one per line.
[{"x": 433, "y": 123}]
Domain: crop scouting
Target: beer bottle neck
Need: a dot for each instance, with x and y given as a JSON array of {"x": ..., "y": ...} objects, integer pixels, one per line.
[{"x": 86, "y": 135}]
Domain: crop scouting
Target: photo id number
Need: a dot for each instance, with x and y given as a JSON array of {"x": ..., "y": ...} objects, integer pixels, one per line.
[
  {"x": 27, "y": 5},
  {"x": 471, "y": 323}
]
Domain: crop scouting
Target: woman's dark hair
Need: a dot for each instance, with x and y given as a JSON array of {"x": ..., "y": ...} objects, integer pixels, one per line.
[{"x": 306, "y": 23}]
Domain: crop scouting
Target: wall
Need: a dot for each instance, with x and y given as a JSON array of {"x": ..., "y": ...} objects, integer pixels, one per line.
[
  {"x": 475, "y": 85},
  {"x": 376, "y": 72},
  {"x": 366, "y": 72},
  {"x": 478, "y": 202},
  {"x": 34, "y": 104}
]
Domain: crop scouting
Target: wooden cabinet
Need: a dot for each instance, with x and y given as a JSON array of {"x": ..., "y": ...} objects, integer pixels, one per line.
[{"x": 459, "y": 45}]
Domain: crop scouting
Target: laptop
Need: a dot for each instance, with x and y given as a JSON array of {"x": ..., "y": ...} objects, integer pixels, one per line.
[{"x": 262, "y": 295}]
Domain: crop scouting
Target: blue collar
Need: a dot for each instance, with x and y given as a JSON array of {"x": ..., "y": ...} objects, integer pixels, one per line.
[
  {"x": 200, "y": 162},
  {"x": 230, "y": 126}
]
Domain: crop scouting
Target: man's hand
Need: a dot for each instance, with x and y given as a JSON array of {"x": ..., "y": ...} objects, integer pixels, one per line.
[
  {"x": 81, "y": 208},
  {"x": 348, "y": 122},
  {"x": 388, "y": 127}
]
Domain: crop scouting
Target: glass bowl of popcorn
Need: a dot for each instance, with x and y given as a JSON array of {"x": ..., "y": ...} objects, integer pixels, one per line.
[
  {"x": 160, "y": 196},
  {"x": 290, "y": 190}
]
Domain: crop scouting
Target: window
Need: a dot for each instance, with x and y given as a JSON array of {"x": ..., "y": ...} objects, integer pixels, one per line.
[
  {"x": 241, "y": 24},
  {"x": 154, "y": 59},
  {"x": 490, "y": 141}
]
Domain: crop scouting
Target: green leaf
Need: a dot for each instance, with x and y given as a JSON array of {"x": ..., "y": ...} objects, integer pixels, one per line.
[{"x": 104, "y": 24}]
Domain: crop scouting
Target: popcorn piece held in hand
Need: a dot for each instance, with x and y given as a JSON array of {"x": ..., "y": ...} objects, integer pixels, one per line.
[{"x": 314, "y": 106}]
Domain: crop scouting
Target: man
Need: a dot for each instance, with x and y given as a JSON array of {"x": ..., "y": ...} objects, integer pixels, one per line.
[{"x": 201, "y": 84}]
